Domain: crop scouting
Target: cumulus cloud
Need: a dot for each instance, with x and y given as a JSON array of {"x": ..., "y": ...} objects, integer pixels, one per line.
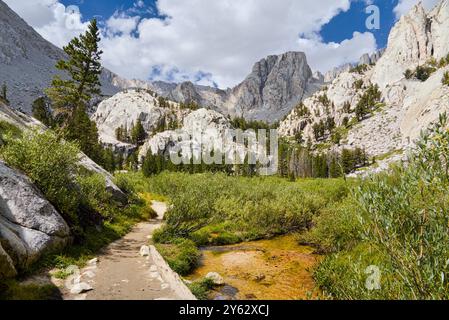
[
  {"x": 51, "y": 19},
  {"x": 210, "y": 41},
  {"x": 325, "y": 56},
  {"x": 121, "y": 24},
  {"x": 404, "y": 6}
]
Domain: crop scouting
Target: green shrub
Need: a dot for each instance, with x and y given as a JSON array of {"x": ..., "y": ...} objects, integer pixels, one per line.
[
  {"x": 404, "y": 229},
  {"x": 408, "y": 74},
  {"x": 336, "y": 228},
  {"x": 51, "y": 164},
  {"x": 216, "y": 235},
  {"x": 182, "y": 255},
  {"x": 201, "y": 288},
  {"x": 445, "y": 80},
  {"x": 12, "y": 290},
  {"x": 360, "y": 69},
  {"x": 218, "y": 209},
  {"x": 8, "y": 131},
  {"x": 423, "y": 73},
  {"x": 94, "y": 195}
]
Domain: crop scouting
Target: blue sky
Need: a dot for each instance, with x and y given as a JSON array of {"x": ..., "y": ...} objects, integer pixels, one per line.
[
  {"x": 216, "y": 42},
  {"x": 338, "y": 29}
]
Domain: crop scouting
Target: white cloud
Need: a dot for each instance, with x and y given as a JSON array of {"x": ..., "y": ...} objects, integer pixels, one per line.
[
  {"x": 210, "y": 41},
  {"x": 404, "y": 6},
  {"x": 50, "y": 18},
  {"x": 121, "y": 24},
  {"x": 325, "y": 56}
]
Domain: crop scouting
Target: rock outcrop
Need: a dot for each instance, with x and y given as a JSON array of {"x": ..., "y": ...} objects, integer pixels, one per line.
[
  {"x": 124, "y": 109},
  {"x": 417, "y": 37},
  {"x": 407, "y": 106},
  {"x": 275, "y": 85},
  {"x": 29, "y": 225},
  {"x": 27, "y": 61},
  {"x": 201, "y": 126}
]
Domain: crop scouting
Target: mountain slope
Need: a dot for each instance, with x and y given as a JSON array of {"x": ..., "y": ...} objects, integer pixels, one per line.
[
  {"x": 275, "y": 85},
  {"x": 406, "y": 105},
  {"x": 27, "y": 61}
]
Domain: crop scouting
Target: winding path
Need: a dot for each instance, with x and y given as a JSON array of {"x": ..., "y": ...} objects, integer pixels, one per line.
[{"x": 122, "y": 273}]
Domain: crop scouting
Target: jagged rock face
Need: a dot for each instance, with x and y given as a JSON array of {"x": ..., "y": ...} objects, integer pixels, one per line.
[
  {"x": 27, "y": 61},
  {"x": 29, "y": 225},
  {"x": 186, "y": 92},
  {"x": 125, "y": 108},
  {"x": 417, "y": 37},
  {"x": 275, "y": 85},
  {"x": 341, "y": 90},
  {"x": 368, "y": 59},
  {"x": 410, "y": 105},
  {"x": 422, "y": 105},
  {"x": 331, "y": 75},
  {"x": 273, "y": 88},
  {"x": 371, "y": 59}
]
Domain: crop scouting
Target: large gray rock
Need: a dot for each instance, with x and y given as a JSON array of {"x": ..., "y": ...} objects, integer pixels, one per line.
[
  {"x": 90, "y": 165},
  {"x": 29, "y": 225}
]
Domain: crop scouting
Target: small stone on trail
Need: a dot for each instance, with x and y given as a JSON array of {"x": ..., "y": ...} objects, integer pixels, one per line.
[
  {"x": 81, "y": 288},
  {"x": 145, "y": 251},
  {"x": 93, "y": 262},
  {"x": 153, "y": 268}
]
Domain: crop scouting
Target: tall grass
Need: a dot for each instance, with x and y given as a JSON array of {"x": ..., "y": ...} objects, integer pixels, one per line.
[
  {"x": 398, "y": 222},
  {"x": 218, "y": 209}
]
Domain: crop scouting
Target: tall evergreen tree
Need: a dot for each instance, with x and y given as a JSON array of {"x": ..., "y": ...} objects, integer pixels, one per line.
[
  {"x": 4, "y": 93},
  {"x": 84, "y": 131},
  {"x": 83, "y": 68},
  {"x": 138, "y": 133},
  {"x": 42, "y": 112}
]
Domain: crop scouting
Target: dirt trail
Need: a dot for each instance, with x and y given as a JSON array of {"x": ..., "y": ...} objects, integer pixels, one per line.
[{"x": 122, "y": 273}]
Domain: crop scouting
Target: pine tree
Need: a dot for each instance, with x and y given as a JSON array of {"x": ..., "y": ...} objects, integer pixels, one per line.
[
  {"x": 445, "y": 80},
  {"x": 334, "y": 167},
  {"x": 84, "y": 131},
  {"x": 109, "y": 160},
  {"x": 4, "y": 93},
  {"x": 42, "y": 112},
  {"x": 138, "y": 133},
  {"x": 83, "y": 69}
]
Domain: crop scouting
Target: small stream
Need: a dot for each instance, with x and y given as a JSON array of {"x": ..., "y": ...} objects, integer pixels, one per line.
[{"x": 276, "y": 269}]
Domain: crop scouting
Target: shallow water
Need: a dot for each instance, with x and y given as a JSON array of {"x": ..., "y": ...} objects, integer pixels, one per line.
[{"x": 277, "y": 269}]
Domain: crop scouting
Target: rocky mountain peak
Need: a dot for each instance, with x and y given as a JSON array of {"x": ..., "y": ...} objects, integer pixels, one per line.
[
  {"x": 186, "y": 92},
  {"x": 274, "y": 86},
  {"x": 417, "y": 37},
  {"x": 404, "y": 105}
]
